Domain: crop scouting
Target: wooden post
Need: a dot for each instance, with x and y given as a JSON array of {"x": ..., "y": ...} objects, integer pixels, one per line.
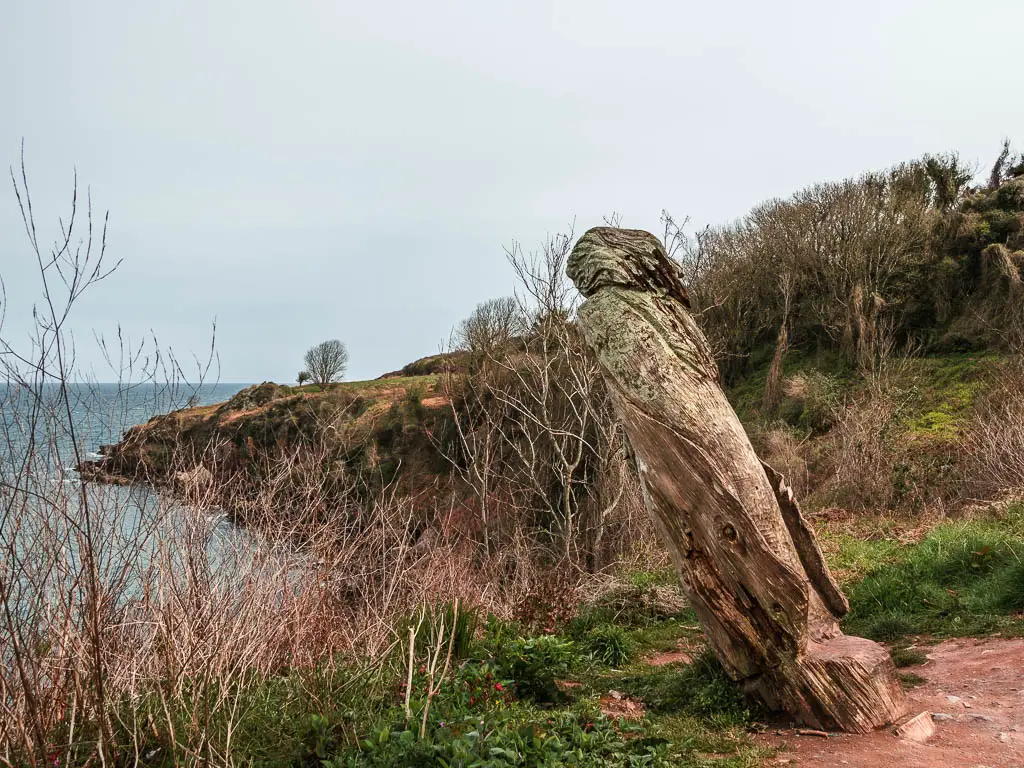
[{"x": 748, "y": 560}]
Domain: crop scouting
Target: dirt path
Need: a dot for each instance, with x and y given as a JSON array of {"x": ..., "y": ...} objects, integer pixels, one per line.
[{"x": 975, "y": 688}]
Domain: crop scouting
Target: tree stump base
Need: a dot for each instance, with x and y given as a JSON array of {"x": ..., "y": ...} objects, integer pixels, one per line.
[{"x": 845, "y": 684}]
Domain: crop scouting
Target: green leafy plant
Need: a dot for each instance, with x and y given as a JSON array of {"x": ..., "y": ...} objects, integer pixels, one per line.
[
  {"x": 515, "y": 736},
  {"x": 535, "y": 664},
  {"x": 610, "y": 645}
]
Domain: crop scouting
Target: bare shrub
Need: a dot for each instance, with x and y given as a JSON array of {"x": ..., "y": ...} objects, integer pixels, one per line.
[
  {"x": 861, "y": 454},
  {"x": 534, "y": 435},
  {"x": 629, "y": 599},
  {"x": 786, "y": 452},
  {"x": 993, "y": 442},
  {"x": 135, "y": 620},
  {"x": 141, "y": 621}
]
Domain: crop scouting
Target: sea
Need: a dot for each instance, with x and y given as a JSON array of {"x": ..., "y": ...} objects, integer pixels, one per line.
[
  {"x": 64, "y": 424},
  {"x": 46, "y": 512}
]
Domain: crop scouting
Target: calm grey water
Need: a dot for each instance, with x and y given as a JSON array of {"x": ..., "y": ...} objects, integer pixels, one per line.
[
  {"x": 44, "y": 431},
  {"x": 49, "y": 422}
]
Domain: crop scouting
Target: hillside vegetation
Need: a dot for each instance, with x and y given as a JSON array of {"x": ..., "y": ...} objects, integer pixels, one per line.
[
  {"x": 468, "y": 575},
  {"x": 859, "y": 324}
]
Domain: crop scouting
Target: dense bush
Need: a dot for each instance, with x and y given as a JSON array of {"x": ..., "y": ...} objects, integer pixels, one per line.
[{"x": 839, "y": 266}]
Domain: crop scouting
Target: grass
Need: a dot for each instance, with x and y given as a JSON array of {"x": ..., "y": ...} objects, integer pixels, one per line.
[
  {"x": 911, "y": 679},
  {"x": 495, "y": 712},
  {"x": 964, "y": 578},
  {"x": 938, "y": 390},
  {"x": 747, "y": 396},
  {"x": 425, "y": 383},
  {"x": 501, "y": 707},
  {"x": 941, "y": 391},
  {"x": 665, "y": 635},
  {"x": 694, "y": 707},
  {"x": 903, "y": 656},
  {"x": 699, "y": 689}
]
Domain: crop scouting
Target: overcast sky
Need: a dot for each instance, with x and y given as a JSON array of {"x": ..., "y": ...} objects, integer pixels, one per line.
[{"x": 307, "y": 170}]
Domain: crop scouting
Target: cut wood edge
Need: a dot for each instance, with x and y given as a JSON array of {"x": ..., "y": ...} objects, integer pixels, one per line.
[
  {"x": 918, "y": 728},
  {"x": 843, "y": 684}
]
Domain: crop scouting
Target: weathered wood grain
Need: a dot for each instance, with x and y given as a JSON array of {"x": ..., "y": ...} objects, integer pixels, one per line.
[{"x": 748, "y": 560}]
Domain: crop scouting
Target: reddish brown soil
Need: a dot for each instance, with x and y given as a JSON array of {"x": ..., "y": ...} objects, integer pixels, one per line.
[
  {"x": 979, "y": 684},
  {"x": 682, "y": 654},
  {"x": 616, "y": 706},
  {"x": 436, "y": 401}
]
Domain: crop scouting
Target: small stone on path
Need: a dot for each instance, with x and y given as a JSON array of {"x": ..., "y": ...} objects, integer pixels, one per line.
[{"x": 980, "y": 717}]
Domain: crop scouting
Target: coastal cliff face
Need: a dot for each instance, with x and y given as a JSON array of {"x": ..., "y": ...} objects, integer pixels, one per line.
[{"x": 370, "y": 428}]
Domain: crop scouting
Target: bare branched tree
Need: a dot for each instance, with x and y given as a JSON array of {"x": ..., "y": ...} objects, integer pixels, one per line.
[
  {"x": 490, "y": 329},
  {"x": 326, "y": 362},
  {"x": 825, "y": 266},
  {"x": 532, "y": 421}
]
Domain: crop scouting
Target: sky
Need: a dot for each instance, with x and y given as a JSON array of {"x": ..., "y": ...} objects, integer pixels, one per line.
[{"x": 298, "y": 171}]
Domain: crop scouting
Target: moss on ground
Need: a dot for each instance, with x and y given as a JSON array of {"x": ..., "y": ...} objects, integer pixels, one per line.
[
  {"x": 936, "y": 391},
  {"x": 941, "y": 391}
]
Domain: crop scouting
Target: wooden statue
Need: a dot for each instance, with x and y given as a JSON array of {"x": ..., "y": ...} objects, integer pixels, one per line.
[{"x": 749, "y": 562}]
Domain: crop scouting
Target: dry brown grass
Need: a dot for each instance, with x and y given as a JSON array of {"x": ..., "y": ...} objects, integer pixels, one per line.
[
  {"x": 993, "y": 443},
  {"x": 194, "y": 613},
  {"x": 787, "y": 453}
]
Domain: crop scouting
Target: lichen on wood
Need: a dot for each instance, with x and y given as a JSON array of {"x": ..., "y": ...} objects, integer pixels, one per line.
[{"x": 748, "y": 560}]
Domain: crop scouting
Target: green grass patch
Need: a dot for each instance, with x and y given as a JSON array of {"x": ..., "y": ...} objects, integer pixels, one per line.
[
  {"x": 911, "y": 679},
  {"x": 695, "y": 708},
  {"x": 852, "y": 557},
  {"x": 963, "y": 578},
  {"x": 610, "y": 645},
  {"x": 699, "y": 689},
  {"x": 907, "y": 657},
  {"x": 941, "y": 391},
  {"x": 697, "y": 741},
  {"x": 405, "y": 382},
  {"x": 666, "y": 635},
  {"x": 423, "y": 383}
]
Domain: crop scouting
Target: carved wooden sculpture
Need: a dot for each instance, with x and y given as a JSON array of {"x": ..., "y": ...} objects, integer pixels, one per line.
[{"x": 749, "y": 562}]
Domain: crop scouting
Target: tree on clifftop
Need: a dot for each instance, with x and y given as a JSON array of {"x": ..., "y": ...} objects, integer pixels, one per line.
[{"x": 326, "y": 362}]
